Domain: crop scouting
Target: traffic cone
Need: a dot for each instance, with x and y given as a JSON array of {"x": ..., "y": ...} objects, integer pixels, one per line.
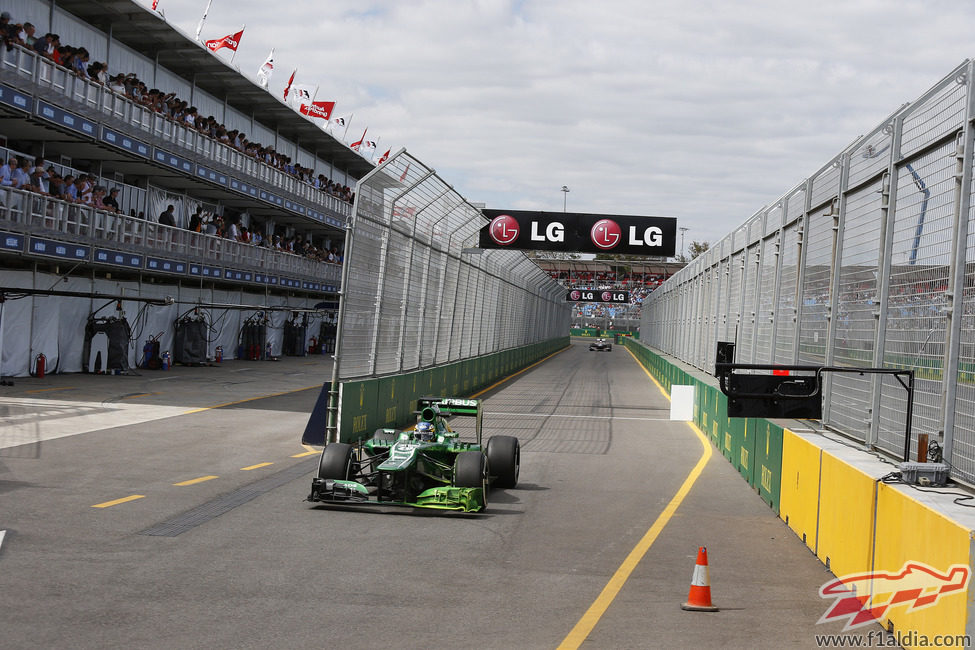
[{"x": 699, "y": 598}]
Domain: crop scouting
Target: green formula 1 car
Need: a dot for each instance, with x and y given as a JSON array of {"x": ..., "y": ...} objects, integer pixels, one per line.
[{"x": 431, "y": 466}]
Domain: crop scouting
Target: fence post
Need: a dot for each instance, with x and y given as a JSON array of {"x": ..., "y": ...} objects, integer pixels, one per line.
[{"x": 958, "y": 267}]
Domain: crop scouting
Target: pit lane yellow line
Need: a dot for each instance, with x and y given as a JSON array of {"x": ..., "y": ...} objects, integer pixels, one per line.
[
  {"x": 109, "y": 504},
  {"x": 585, "y": 625},
  {"x": 194, "y": 481}
]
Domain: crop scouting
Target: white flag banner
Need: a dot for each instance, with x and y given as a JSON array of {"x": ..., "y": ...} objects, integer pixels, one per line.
[
  {"x": 264, "y": 73},
  {"x": 302, "y": 93}
]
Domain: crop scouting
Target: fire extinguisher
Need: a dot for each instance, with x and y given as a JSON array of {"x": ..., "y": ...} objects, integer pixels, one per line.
[
  {"x": 39, "y": 362},
  {"x": 219, "y": 354},
  {"x": 312, "y": 345},
  {"x": 165, "y": 360}
]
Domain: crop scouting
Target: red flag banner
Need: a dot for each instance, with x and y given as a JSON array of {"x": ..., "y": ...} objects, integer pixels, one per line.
[
  {"x": 231, "y": 41},
  {"x": 287, "y": 89},
  {"x": 355, "y": 145},
  {"x": 384, "y": 157},
  {"x": 322, "y": 110}
]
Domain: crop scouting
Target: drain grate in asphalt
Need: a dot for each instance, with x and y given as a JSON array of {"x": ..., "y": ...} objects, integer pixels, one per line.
[{"x": 213, "y": 509}]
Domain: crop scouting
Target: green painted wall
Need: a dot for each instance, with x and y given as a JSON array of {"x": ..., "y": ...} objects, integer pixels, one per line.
[{"x": 387, "y": 402}]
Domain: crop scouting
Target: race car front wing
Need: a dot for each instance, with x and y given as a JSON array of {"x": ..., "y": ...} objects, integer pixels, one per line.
[{"x": 464, "y": 499}]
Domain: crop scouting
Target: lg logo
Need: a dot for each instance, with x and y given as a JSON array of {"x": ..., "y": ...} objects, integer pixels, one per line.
[
  {"x": 504, "y": 229},
  {"x": 606, "y": 234}
]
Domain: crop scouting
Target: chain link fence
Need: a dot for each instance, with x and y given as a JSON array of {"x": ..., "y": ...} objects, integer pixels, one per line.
[
  {"x": 418, "y": 294},
  {"x": 870, "y": 262}
]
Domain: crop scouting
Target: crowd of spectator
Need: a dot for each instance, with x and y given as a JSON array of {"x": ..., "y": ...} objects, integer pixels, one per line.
[
  {"x": 232, "y": 228},
  {"x": 77, "y": 60},
  {"x": 33, "y": 176}
]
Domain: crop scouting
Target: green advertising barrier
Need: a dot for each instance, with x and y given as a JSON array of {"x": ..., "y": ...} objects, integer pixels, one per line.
[
  {"x": 371, "y": 404},
  {"x": 359, "y": 415},
  {"x": 768, "y": 462},
  {"x": 752, "y": 445}
]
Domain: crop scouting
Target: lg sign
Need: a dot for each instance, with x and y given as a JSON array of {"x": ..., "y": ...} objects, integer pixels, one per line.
[
  {"x": 585, "y": 233},
  {"x": 587, "y": 295}
]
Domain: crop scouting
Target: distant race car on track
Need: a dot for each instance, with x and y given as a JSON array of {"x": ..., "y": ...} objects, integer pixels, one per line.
[
  {"x": 600, "y": 345},
  {"x": 431, "y": 466}
]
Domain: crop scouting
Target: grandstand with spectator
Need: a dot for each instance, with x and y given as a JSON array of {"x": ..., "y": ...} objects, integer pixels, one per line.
[
  {"x": 639, "y": 278},
  {"x": 108, "y": 116}
]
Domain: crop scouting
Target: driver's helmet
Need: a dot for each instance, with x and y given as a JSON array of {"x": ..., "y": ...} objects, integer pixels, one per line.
[{"x": 424, "y": 430}]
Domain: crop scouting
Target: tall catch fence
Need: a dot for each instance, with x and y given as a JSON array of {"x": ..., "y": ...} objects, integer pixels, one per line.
[
  {"x": 869, "y": 262},
  {"x": 423, "y": 310}
]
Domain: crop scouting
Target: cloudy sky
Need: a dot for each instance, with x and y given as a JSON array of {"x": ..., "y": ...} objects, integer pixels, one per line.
[{"x": 705, "y": 111}]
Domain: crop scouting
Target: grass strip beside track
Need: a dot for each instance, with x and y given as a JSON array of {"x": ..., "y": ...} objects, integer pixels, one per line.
[{"x": 585, "y": 625}]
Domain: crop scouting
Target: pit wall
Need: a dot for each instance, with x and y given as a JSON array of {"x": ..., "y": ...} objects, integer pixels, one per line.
[
  {"x": 389, "y": 402},
  {"x": 832, "y": 498}
]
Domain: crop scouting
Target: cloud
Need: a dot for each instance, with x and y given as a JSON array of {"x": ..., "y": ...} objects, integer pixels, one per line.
[{"x": 702, "y": 110}]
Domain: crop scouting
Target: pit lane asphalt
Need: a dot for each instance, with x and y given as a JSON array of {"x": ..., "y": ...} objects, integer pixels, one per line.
[{"x": 601, "y": 461}]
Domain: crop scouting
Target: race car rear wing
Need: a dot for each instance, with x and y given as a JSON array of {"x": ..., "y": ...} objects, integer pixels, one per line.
[{"x": 428, "y": 408}]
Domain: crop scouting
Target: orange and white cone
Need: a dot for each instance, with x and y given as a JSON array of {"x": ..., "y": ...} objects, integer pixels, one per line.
[{"x": 699, "y": 598}]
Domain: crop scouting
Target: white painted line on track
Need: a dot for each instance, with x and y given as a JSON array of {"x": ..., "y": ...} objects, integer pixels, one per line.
[
  {"x": 3, "y": 534},
  {"x": 583, "y": 417}
]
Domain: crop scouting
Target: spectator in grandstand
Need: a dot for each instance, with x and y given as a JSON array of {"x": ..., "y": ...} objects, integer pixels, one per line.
[
  {"x": 39, "y": 180},
  {"x": 46, "y": 46},
  {"x": 111, "y": 201},
  {"x": 232, "y": 230},
  {"x": 97, "y": 71},
  {"x": 7, "y": 171},
  {"x": 117, "y": 84},
  {"x": 98, "y": 196},
  {"x": 71, "y": 185},
  {"x": 57, "y": 187},
  {"x": 196, "y": 221},
  {"x": 26, "y": 35},
  {"x": 213, "y": 226},
  {"x": 168, "y": 216},
  {"x": 21, "y": 175},
  {"x": 87, "y": 191}
]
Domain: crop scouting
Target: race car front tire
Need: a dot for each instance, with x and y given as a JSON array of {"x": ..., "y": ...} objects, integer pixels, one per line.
[
  {"x": 336, "y": 461},
  {"x": 504, "y": 459},
  {"x": 471, "y": 470}
]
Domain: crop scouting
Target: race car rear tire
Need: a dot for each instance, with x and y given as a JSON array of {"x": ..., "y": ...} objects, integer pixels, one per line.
[
  {"x": 504, "y": 459},
  {"x": 336, "y": 462},
  {"x": 471, "y": 470}
]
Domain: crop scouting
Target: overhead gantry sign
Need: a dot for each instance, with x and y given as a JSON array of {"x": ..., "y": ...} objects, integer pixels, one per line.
[{"x": 577, "y": 232}]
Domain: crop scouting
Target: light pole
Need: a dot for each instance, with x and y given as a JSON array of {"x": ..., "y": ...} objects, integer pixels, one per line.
[
  {"x": 682, "y": 231},
  {"x": 565, "y": 195}
]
